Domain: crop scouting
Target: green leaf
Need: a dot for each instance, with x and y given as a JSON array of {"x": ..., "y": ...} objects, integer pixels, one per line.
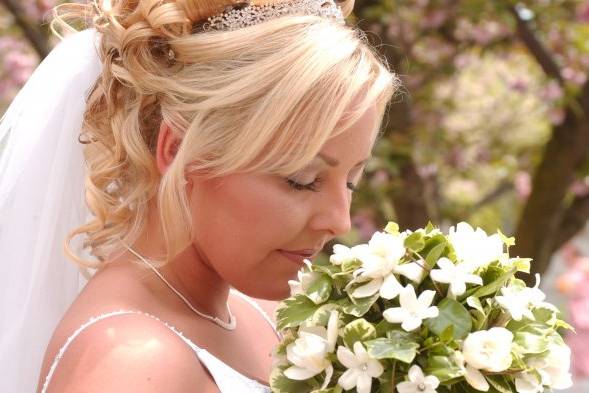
[
  {"x": 415, "y": 242},
  {"x": 359, "y": 307},
  {"x": 475, "y": 303},
  {"x": 436, "y": 252},
  {"x": 321, "y": 315},
  {"x": 429, "y": 227},
  {"x": 530, "y": 343},
  {"x": 508, "y": 241},
  {"x": 294, "y": 310},
  {"x": 493, "y": 286},
  {"x": 279, "y": 383},
  {"x": 500, "y": 383},
  {"x": 392, "y": 228},
  {"x": 522, "y": 264},
  {"x": 448, "y": 334},
  {"x": 320, "y": 289},
  {"x": 350, "y": 266},
  {"x": 386, "y": 348},
  {"x": 443, "y": 368},
  {"x": 451, "y": 313},
  {"x": 358, "y": 330}
]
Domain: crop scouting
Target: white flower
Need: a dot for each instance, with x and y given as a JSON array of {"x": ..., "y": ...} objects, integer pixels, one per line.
[
  {"x": 308, "y": 353},
  {"x": 455, "y": 275},
  {"x": 554, "y": 367},
  {"x": 379, "y": 259},
  {"x": 413, "y": 310},
  {"x": 528, "y": 383},
  {"x": 475, "y": 247},
  {"x": 489, "y": 349},
  {"x": 412, "y": 270},
  {"x": 306, "y": 278},
  {"x": 361, "y": 368},
  {"x": 518, "y": 301},
  {"x": 343, "y": 254},
  {"x": 473, "y": 376},
  {"x": 418, "y": 383}
]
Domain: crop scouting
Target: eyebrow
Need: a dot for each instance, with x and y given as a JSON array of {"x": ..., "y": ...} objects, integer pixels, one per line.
[{"x": 334, "y": 162}]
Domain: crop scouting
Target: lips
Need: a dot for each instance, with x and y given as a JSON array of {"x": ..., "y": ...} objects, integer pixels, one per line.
[{"x": 299, "y": 256}]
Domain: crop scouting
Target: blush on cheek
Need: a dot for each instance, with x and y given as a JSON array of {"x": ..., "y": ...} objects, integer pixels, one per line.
[{"x": 241, "y": 220}]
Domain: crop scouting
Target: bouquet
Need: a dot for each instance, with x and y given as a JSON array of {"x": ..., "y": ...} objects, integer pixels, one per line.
[{"x": 420, "y": 312}]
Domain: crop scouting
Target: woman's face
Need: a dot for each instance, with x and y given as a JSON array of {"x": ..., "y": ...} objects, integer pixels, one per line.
[{"x": 244, "y": 222}]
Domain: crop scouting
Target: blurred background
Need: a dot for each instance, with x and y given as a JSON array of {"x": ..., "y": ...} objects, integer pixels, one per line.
[{"x": 492, "y": 127}]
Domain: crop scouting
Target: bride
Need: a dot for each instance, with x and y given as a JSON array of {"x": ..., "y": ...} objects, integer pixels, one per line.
[{"x": 220, "y": 148}]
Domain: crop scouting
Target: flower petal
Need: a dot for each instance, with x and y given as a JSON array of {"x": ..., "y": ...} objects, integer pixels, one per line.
[
  {"x": 426, "y": 298},
  {"x": 328, "y": 375},
  {"x": 347, "y": 357},
  {"x": 476, "y": 379},
  {"x": 390, "y": 287},
  {"x": 415, "y": 374},
  {"x": 407, "y": 387},
  {"x": 368, "y": 289},
  {"x": 411, "y": 323},
  {"x": 395, "y": 314},
  {"x": 300, "y": 374},
  {"x": 407, "y": 298},
  {"x": 364, "y": 383},
  {"x": 348, "y": 379},
  {"x": 375, "y": 368}
]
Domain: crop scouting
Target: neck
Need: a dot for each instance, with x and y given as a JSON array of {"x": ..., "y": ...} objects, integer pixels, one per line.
[{"x": 189, "y": 272}]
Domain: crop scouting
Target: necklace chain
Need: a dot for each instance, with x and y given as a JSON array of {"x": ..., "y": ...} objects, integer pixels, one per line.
[{"x": 231, "y": 325}]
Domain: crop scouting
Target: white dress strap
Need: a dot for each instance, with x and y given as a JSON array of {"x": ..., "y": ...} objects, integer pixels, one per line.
[
  {"x": 260, "y": 310},
  {"x": 226, "y": 378}
]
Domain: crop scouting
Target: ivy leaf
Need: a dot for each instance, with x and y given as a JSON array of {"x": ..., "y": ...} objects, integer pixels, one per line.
[
  {"x": 494, "y": 285},
  {"x": 500, "y": 383},
  {"x": 442, "y": 368},
  {"x": 451, "y": 313},
  {"x": 359, "y": 307},
  {"x": 415, "y": 242},
  {"x": 320, "y": 289},
  {"x": 279, "y": 383},
  {"x": 392, "y": 228},
  {"x": 526, "y": 342},
  {"x": 387, "y": 348},
  {"x": 434, "y": 254},
  {"x": 294, "y": 311},
  {"x": 358, "y": 330}
]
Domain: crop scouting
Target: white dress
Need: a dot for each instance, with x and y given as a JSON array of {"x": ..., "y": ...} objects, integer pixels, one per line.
[{"x": 226, "y": 378}]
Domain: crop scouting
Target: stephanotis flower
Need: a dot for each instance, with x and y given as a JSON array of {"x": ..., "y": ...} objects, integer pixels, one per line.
[
  {"x": 472, "y": 375},
  {"x": 413, "y": 310},
  {"x": 488, "y": 349},
  {"x": 308, "y": 353},
  {"x": 518, "y": 301},
  {"x": 380, "y": 260},
  {"x": 418, "y": 382},
  {"x": 343, "y": 254},
  {"x": 361, "y": 368},
  {"x": 455, "y": 275},
  {"x": 475, "y": 247}
]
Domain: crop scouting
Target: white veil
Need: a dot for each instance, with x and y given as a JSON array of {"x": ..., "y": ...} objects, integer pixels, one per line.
[{"x": 41, "y": 200}]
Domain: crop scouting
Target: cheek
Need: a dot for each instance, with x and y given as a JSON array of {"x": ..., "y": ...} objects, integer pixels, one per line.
[{"x": 241, "y": 219}]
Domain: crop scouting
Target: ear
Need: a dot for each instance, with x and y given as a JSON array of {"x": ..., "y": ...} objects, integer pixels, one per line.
[{"x": 167, "y": 147}]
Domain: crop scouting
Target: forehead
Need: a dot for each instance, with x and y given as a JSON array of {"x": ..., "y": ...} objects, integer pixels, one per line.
[{"x": 356, "y": 142}]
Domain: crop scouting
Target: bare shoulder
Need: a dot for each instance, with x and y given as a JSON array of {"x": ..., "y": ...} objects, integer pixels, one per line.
[{"x": 129, "y": 352}]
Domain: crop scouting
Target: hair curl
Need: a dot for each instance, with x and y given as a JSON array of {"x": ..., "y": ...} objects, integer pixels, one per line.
[{"x": 263, "y": 98}]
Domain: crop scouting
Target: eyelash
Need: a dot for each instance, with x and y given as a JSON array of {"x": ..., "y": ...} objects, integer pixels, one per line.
[{"x": 313, "y": 186}]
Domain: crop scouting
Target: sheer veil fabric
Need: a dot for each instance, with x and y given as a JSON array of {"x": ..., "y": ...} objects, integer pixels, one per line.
[{"x": 41, "y": 200}]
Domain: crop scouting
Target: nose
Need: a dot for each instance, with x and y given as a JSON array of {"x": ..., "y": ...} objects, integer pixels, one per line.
[{"x": 332, "y": 213}]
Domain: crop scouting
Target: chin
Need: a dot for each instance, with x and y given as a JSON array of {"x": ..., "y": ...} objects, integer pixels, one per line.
[{"x": 268, "y": 292}]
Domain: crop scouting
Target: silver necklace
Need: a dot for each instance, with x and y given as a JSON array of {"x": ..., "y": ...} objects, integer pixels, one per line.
[{"x": 225, "y": 325}]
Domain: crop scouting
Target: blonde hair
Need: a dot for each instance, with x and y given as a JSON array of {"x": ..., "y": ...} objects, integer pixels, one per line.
[{"x": 259, "y": 99}]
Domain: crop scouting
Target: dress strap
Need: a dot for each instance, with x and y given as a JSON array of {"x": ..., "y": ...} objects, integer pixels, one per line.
[
  {"x": 89, "y": 323},
  {"x": 258, "y": 308}
]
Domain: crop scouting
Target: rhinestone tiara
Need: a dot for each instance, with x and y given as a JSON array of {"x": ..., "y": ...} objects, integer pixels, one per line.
[{"x": 244, "y": 15}]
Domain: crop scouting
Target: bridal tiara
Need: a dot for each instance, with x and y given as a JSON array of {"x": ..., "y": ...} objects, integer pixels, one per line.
[{"x": 244, "y": 15}]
